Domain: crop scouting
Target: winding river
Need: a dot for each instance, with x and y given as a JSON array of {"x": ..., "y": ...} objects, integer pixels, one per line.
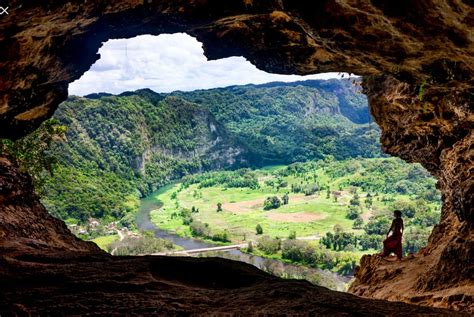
[{"x": 148, "y": 204}]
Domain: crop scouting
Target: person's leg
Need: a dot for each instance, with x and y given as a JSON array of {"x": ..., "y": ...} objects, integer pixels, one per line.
[
  {"x": 386, "y": 249},
  {"x": 398, "y": 250}
]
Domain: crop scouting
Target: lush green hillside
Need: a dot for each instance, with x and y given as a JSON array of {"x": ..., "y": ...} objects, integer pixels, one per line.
[
  {"x": 119, "y": 148},
  {"x": 291, "y": 122}
]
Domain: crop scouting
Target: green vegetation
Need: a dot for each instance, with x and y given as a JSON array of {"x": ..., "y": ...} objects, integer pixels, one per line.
[
  {"x": 105, "y": 241},
  {"x": 31, "y": 153},
  {"x": 121, "y": 148},
  {"x": 368, "y": 190},
  {"x": 146, "y": 243},
  {"x": 294, "y": 170},
  {"x": 271, "y": 203},
  {"x": 293, "y": 122}
]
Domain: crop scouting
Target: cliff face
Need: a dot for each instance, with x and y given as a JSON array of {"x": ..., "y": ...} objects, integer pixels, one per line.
[{"x": 416, "y": 57}]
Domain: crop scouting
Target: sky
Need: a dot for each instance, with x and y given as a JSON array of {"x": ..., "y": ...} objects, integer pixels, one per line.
[{"x": 166, "y": 63}]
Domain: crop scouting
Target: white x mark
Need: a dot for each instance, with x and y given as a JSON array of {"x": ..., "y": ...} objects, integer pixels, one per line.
[{"x": 3, "y": 10}]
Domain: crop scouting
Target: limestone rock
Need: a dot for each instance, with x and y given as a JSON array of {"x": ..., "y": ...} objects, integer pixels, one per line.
[{"x": 416, "y": 57}]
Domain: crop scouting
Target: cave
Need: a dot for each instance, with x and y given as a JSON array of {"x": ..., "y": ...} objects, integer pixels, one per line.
[{"x": 416, "y": 63}]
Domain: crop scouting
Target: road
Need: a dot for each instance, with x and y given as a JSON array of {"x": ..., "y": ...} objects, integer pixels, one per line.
[
  {"x": 197, "y": 251},
  {"x": 223, "y": 248}
]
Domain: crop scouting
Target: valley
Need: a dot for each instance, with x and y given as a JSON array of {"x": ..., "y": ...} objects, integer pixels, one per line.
[
  {"x": 293, "y": 171},
  {"x": 335, "y": 210},
  {"x": 118, "y": 149}
]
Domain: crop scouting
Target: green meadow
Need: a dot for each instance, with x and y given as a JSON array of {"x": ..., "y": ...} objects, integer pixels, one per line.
[{"x": 309, "y": 214}]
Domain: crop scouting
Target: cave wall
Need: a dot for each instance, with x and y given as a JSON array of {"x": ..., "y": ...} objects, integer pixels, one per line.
[
  {"x": 416, "y": 58},
  {"x": 25, "y": 225}
]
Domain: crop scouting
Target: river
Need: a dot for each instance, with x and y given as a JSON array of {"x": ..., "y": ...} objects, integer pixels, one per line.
[{"x": 318, "y": 276}]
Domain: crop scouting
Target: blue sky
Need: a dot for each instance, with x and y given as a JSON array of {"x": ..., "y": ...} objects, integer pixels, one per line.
[{"x": 167, "y": 63}]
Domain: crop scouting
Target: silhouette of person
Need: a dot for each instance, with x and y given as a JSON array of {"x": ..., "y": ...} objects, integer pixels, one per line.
[{"x": 393, "y": 242}]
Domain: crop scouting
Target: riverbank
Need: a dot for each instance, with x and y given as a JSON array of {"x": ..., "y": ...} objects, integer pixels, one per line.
[{"x": 273, "y": 266}]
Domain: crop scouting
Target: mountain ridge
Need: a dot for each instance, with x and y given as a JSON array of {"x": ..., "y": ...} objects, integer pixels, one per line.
[{"x": 126, "y": 146}]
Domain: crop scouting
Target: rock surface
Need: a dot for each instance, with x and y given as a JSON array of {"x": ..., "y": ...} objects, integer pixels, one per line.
[
  {"x": 416, "y": 57},
  {"x": 25, "y": 225},
  {"x": 165, "y": 286}
]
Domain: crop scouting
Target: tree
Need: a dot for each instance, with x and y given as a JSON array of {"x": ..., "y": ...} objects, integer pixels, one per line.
[
  {"x": 377, "y": 225},
  {"x": 368, "y": 200},
  {"x": 409, "y": 208},
  {"x": 271, "y": 203},
  {"x": 355, "y": 200},
  {"x": 219, "y": 207},
  {"x": 328, "y": 193},
  {"x": 358, "y": 223},
  {"x": 327, "y": 240},
  {"x": 32, "y": 154},
  {"x": 415, "y": 239},
  {"x": 221, "y": 236},
  {"x": 259, "y": 229},
  {"x": 370, "y": 241},
  {"x": 352, "y": 212}
]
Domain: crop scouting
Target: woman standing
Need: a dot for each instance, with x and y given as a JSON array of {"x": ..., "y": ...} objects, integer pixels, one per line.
[{"x": 393, "y": 242}]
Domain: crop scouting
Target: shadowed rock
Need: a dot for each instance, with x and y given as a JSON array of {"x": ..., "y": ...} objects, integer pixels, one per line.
[{"x": 416, "y": 58}]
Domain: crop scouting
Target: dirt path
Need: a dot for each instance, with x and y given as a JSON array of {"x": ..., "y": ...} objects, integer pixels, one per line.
[
  {"x": 121, "y": 237},
  {"x": 366, "y": 215}
]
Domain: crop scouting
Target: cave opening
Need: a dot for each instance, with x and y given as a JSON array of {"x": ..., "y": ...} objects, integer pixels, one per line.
[
  {"x": 416, "y": 68},
  {"x": 158, "y": 137}
]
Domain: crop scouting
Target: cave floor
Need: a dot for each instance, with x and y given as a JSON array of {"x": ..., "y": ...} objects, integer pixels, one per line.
[{"x": 97, "y": 284}]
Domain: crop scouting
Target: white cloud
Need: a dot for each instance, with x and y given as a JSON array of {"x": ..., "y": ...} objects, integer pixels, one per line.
[{"x": 167, "y": 63}]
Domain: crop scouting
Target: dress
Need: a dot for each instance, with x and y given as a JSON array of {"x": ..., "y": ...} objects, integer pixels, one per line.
[{"x": 394, "y": 242}]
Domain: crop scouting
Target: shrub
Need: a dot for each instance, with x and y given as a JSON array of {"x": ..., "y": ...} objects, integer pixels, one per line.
[
  {"x": 358, "y": 223},
  {"x": 269, "y": 245},
  {"x": 199, "y": 229},
  {"x": 271, "y": 203},
  {"x": 221, "y": 236},
  {"x": 259, "y": 229},
  {"x": 250, "y": 247},
  {"x": 140, "y": 245},
  {"x": 292, "y": 235},
  {"x": 352, "y": 212},
  {"x": 187, "y": 217},
  {"x": 298, "y": 251}
]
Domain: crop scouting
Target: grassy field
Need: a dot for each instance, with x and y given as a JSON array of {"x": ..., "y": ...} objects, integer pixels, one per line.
[
  {"x": 242, "y": 208},
  {"x": 104, "y": 241}
]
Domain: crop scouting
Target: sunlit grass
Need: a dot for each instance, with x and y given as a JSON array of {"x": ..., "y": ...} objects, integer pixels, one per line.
[{"x": 104, "y": 241}]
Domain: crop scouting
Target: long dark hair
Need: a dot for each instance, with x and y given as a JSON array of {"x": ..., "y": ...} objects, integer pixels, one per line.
[{"x": 397, "y": 213}]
